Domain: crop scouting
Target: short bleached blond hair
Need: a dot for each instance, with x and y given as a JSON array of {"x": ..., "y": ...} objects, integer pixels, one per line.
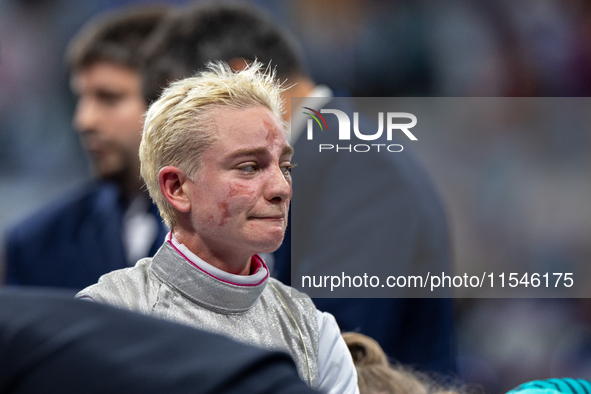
[{"x": 178, "y": 126}]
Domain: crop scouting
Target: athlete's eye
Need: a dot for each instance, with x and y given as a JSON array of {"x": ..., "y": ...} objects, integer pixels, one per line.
[
  {"x": 250, "y": 168},
  {"x": 286, "y": 169}
]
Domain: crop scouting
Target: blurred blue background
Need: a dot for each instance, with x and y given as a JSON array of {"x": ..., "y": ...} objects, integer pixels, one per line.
[{"x": 386, "y": 48}]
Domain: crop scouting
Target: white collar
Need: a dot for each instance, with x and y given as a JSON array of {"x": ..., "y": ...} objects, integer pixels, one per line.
[{"x": 260, "y": 273}]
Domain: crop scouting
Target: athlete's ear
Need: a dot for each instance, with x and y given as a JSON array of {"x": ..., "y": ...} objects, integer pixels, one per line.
[{"x": 174, "y": 187}]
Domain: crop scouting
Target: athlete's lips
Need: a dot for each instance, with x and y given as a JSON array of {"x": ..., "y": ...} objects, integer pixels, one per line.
[{"x": 278, "y": 217}]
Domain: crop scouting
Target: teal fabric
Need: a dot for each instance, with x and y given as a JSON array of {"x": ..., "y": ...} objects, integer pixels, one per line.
[{"x": 554, "y": 386}]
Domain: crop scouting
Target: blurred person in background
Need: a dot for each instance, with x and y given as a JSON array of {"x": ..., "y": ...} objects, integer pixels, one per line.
[
  {"x": 414, "y": 331},
  {"x": 111, "y": 223}
]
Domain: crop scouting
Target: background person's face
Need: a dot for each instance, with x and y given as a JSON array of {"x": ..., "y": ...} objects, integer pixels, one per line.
[
  {"x": 240, "y": 194},
  {"x": 109, "y": 118}
]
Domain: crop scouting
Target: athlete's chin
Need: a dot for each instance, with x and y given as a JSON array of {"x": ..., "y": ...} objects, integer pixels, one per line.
[{"x": 270, "y": 243}]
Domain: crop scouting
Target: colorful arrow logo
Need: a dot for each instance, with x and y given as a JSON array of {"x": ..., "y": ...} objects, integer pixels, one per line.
[{"x": 315, "y": 116}]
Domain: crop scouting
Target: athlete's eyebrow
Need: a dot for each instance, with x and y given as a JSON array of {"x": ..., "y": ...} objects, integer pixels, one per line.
[
  {"x": 287, "y": 150},
  {"x": 248, "y": 152}
]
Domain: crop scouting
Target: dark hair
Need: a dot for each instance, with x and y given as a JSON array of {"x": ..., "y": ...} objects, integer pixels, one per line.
[
  {"x": 191, "y": 37},
  {"x": 114, "y": 36}
]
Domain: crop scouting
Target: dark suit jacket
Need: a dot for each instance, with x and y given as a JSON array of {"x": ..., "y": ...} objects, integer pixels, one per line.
[
  {"x": 71, "y": 243},
  {"x": 51, "y": 343},
  {"x": 374, "y": 213}
]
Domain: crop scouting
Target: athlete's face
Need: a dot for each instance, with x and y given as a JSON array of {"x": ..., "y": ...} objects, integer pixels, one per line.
[{"x": 240, "y": 194}]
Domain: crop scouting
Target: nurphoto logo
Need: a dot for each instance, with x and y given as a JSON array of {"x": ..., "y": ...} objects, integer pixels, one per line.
[{"x": 344, "y": 132}]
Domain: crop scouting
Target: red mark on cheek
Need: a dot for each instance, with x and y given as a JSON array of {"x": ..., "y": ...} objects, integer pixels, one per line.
[
  {"x": 210, "y": 219},
  {"x": 225, "y": 210},
  {"x": 238, "y": 190}
]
